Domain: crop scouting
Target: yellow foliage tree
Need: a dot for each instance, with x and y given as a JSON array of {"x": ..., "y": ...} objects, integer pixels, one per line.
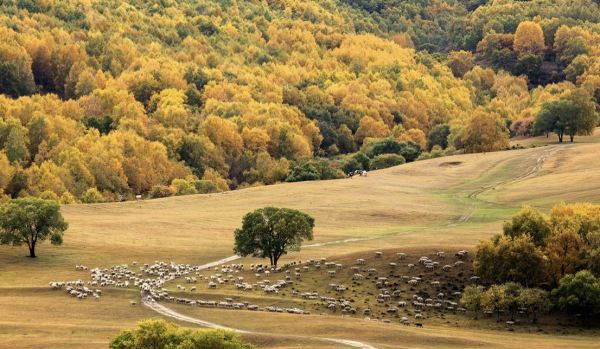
[{"x": 529, "y": 39}]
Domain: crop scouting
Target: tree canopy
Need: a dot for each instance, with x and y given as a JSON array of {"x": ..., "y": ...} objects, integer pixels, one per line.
[
  {"x": 30, "y": 221},
  {"x": 271, "y": 232},
  {"x": 124, "y": 97},
  {"x": 156, "y": 333},
  {"x": 580, "y": 294}
]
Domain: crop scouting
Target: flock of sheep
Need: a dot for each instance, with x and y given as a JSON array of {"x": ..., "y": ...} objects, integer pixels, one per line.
[{"x": 425, "y": 287}]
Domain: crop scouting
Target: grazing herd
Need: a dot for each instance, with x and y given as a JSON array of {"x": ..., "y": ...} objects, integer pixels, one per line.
[{"x": 384, "y": 286}]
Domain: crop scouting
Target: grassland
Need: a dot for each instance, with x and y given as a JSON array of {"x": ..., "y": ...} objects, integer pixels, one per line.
[{"x": 446, "y": 203}]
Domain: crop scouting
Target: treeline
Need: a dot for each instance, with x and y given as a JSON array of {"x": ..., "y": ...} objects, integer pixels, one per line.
[
  {"x": 105, "y": 100},
  {"x": 542, "y": 261}
]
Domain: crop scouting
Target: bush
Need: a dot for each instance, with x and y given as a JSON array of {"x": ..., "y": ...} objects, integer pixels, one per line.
[
  {"x": 161, "y": 191},
  {"x": 409, "y": 150},
  {"x": 161, "y": 334},
  {"x": 579, "y": 294},
  {"x": 303, "y": 172},
  {"x": 91, "y": 196},
  {"x": 313, "y": 169},
  {"x": 386, "y": 160},
  {"x": 205, "y": 187},
  {"x": 67, "y": 198},
  {"x": 49, "y": 195},
  {"x": 351, "y": 165},
  {"x": 183, "y": 187}
]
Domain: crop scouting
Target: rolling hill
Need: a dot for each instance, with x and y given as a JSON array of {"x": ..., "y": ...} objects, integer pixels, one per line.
[{"x": 445, "y": 203}]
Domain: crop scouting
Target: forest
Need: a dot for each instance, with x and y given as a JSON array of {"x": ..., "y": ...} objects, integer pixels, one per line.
[{"x": 103, "y": 100}]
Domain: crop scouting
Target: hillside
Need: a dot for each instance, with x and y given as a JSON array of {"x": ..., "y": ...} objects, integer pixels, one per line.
[
  {"x": 104, "y": 100},
  {"x": 446, "y": 203}
]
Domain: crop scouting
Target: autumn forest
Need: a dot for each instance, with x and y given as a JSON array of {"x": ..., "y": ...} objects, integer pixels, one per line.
[{"x": 102, "y": 100}]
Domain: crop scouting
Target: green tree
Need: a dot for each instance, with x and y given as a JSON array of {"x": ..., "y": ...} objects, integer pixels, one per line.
[
  {"x": 573, "y": 114},
  {"x": 512, "y": 290},
  {"x": 495, "y": 299},
  {"x": 272, "y": 232},
  {"x": 16, "y": 147},
  {"x": 351, "y": 165},
  {"x": 386, "y": 160},
  {"x": 472, "y": 298},
  {"x": 535, "y": 301},
  {"x": 17, "y": 183},
  {"x": 16, "y": 78},
  {"x": 29, "y": 221},
  {"x": 183, "y": 187},
  {"x": 579, "y": 294},
  {"x": 159, "y": 334},
  {"x": 92, "y": 196},
  {"x": 509, "y": 260},
  {"x": 305, "y": 171},
  {"x": 528, "y": 221},
  {"x": 438, "y": 136}
]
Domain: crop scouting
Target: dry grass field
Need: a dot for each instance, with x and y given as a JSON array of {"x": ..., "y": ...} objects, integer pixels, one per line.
[{"x": 446, "y": 203}]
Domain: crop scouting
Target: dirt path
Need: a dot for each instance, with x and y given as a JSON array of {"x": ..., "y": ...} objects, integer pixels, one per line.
[
  {"x": 165, "y": 311},
  {"x": 475, "y": 194}
]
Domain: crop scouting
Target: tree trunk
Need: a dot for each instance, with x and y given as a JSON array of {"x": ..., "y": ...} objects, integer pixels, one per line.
[
  {"x": 32, "y": 251},
  {"x": 560, "y": 137},
  {"x": 571, "y": 136}
]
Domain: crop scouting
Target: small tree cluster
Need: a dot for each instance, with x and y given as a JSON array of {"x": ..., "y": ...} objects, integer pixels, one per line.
[{"x": 161, "y": 334}]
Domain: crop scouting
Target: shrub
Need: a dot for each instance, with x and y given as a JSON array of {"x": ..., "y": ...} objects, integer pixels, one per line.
[
  {"x": 409, "y": 150},
  {"x": 351, "y": 165},
  {"x": 49, "y": 195},
  {"x": 67, "y": 198},
  {"x": 161, "y": 334},
  {"x": 303, "y": 172},
  {"x": 91, "y": 196},
  {"x": 386, "y": 160},
  {"x": 183, "y": 187},
  {"x": 205, "y": 187},
  {"x": 161, "y": 191}
]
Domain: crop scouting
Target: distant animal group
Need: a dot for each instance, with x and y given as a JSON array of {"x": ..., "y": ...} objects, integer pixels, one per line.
[{"x": 357, "y": 173}]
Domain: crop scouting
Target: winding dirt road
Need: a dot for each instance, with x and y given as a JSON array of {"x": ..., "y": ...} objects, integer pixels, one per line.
[{"x": 165, "y": 311}]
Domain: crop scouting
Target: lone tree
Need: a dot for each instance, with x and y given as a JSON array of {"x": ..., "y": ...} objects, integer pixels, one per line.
[
  {"x": 29, "y": 221},
  {"x": 272, "y": 232}
]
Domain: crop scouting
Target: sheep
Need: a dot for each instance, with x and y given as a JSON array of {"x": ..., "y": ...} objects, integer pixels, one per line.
[
  {"x": 378, "y": 254},
  {"x": 361, "y": 261},
  {"x": 401, "y": 255},
  {"x": 132, "y": 302},
  {"x": 357, "y": 277}
]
